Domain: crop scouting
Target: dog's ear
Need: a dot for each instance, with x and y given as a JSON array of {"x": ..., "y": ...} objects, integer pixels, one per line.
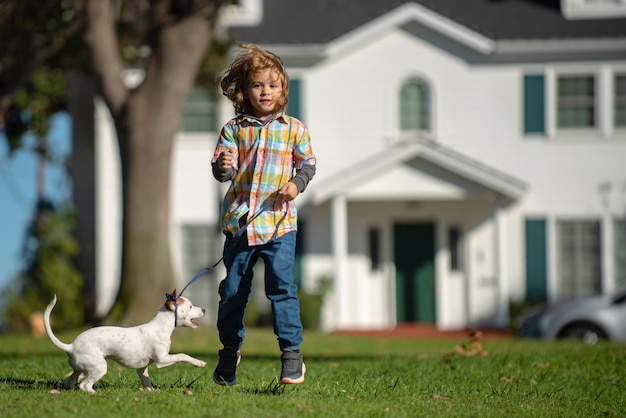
[{"x": 171, "y": 301}]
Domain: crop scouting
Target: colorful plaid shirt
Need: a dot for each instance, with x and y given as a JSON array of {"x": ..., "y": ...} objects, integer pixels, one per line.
[{"x": 267, "y": 155}]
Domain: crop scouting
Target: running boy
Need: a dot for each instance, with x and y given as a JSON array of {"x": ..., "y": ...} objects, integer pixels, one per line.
[{"x": 267, "y": 156}]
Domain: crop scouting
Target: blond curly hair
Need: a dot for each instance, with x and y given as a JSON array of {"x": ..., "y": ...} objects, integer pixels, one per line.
[{"x": 236, "y": 77}]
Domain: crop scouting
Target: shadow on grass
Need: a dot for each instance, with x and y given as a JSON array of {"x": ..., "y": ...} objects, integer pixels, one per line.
[
  {"x": 272, "y": 389},
  {"x": 31, "y": 384}
]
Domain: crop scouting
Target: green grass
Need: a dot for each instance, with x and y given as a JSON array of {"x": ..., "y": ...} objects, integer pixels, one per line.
[{"x": 346, "y": 377}]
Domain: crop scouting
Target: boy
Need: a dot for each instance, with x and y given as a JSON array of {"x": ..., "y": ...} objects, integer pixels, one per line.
[{"x": 267, "y": 156}]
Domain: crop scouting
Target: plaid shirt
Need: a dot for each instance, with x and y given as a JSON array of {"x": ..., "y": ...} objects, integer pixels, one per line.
[{"x": 267, "y": 154}]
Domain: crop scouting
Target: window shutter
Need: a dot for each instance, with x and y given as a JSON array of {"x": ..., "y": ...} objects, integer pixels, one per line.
[
  {"x": 294, "y": 98},
  {"x": 536, "y": 260},
  {"x": 534, "y": 105}
]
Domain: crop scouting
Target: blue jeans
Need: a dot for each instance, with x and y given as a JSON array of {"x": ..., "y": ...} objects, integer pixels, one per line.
[{"x": 239, "y": 258}]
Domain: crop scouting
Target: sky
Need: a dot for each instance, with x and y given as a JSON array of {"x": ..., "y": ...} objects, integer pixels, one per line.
[{"x": 18, "y": 190}]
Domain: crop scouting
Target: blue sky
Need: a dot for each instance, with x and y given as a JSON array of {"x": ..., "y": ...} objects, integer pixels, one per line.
[{"x": 18, "y": 190}]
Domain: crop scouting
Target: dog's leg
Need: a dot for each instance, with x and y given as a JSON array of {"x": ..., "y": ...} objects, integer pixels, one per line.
[
  {"x": 96, "y": 370},
  {"x": 169, "y": 359},
  {"x": 145, "y": 379},
  {"x": 70, "y": 382}
]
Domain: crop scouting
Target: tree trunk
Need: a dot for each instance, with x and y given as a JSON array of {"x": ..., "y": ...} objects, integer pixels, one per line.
[{"x": 147, "y": 119}]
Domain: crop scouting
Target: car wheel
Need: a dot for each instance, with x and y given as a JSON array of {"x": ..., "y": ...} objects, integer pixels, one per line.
[{"x": 587, "y": 333}]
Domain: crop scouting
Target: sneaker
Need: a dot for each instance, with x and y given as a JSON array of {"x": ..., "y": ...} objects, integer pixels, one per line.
[
  {"x": 224, "y": 373},
  {"x": 293, "y": 369}
]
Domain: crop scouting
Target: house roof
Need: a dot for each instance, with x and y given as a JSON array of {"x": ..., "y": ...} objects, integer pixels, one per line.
[
  {"x": 321, "y": 21},
  {"x": 441, "y": 172}
]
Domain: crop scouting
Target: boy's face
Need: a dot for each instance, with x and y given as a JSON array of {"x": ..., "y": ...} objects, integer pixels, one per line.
[{"x": 264, "y": 92}]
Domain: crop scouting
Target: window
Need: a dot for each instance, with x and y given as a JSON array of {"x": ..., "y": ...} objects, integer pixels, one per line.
[
  {"x": 578, "y": 258},
  {"x": 374, "y": 248},
  {"x": 620, "y": 252},
  {"x": 199, "y": 112},
  {"x": 414, "y": 107},
  {"x": 197, "y": 250},
  {"x": 454, "y": 241},
  {"x": 563, "y": 103},
  {"x": 620, "y": 101},
  {"x": 576, "y": 102}
]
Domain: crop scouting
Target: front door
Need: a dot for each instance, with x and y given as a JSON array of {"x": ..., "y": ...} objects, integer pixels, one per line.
[{"x": 414, "y": 257}]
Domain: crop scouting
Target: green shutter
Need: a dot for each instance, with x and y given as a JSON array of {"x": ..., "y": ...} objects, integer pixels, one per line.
[
  {"x": 534, "y": 105},
  {"x": 294, "y": 99},
  {"x": 536, "y": 260}
]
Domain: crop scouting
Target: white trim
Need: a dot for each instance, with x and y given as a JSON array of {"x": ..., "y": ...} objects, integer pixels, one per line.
[
  {"x": 606, "y": 100},
  {"x": 341, "y": 288},
  {"x": 607, "y": 234},
  {"x": 402, "y": 15},
  {"x": 595, "y": 9},
  {"x": 246, "y": 13},
  {"x": 435, "y": 153},
  {"x": 501, "y": 262},
  {"x": 550, "y": 47}
]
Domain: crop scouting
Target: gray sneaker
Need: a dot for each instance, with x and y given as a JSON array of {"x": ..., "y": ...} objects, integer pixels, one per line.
[
  {"x": 293, "y": 369},
  {"x": 224, "y": 373}
]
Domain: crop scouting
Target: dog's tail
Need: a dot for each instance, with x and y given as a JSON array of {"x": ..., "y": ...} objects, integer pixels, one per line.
[{"x": 46, "y": 321}]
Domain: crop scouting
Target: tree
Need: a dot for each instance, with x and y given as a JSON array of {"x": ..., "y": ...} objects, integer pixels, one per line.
[
  {"x": 32, "y": 90},
  {"x": 49, "y": 252},
  {"x": 170, "y": 38},
  {"x": 146, "y": 120}
]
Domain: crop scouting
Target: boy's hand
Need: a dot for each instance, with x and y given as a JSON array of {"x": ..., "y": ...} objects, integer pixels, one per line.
[
  {"x": 225, "y": 160},
  {"x": 286, "y": 193}
]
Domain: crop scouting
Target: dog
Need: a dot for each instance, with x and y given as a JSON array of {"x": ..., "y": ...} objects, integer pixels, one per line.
[
  {"x": 135, "y": 347},
  {"x": 473, "y": 347}
]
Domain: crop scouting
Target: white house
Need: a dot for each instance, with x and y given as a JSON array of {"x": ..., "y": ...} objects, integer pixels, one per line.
[{"x": 470, "y": 153}]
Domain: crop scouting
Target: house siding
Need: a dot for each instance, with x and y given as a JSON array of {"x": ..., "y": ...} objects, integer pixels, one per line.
[{"x": 481, "y": 109}]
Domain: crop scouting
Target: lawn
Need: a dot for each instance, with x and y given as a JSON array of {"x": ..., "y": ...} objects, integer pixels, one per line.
[{"x": 347, "y": 376}]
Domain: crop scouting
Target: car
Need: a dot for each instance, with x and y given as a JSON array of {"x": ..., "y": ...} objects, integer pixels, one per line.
[{"x": 587, "y": 319}]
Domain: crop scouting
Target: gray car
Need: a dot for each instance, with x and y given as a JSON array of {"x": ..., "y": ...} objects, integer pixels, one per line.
[{"x": 588, "y": 319}]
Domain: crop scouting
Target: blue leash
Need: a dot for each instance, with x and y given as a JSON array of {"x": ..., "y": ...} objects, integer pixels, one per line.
[{"x": 169, "y": 297}]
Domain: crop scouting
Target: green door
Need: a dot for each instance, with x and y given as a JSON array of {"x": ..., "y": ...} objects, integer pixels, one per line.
[{"x": 414, "y": 257}]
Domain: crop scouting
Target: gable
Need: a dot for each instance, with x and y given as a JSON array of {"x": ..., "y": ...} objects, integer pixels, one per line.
[
  {"x": 327, "y": 20},
  {"x": 412, "y": 182},
  {"x": 492, "y": 29},
  {"x": 419, "y": 170}
]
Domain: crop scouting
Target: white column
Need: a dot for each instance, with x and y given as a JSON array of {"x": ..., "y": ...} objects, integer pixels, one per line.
[
  {"x": 604, "y": 112},
  {"x": 339, "y": 228},
  {"x": 502, "y": 265}
]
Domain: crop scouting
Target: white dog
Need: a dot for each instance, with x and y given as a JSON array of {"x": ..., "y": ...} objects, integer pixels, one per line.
[{"x": 134, "y": 347}]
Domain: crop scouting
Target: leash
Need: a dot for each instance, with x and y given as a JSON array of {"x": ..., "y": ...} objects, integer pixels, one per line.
[{"x": 169, "y": 297}]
